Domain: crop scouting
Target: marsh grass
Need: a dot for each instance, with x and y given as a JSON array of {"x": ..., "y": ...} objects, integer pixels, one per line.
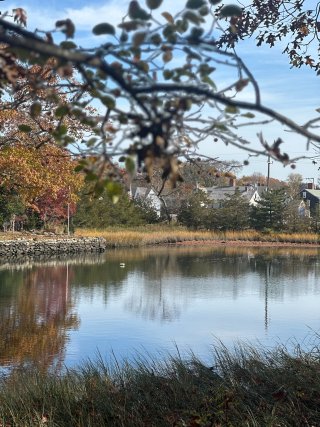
[
  {"x": 153, "y": 235},
  {"x": 143, "y": 236},
  {"x": 165, "y": 234},
  {"x": 243, "y": 387}
]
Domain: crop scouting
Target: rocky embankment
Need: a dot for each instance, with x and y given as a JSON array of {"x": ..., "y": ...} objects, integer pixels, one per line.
[{"x": 51, "y": 246}]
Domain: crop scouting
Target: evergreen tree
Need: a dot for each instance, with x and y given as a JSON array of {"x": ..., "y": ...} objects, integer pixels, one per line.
[
  {"x": 100, "y": 212},
  {"x": 295, "y": 221},
  {"x": 234, "y": 213},
  {"x": 270, "y": 212},
  {"x": 194, "y": 211},
  {"x": 146, "y": 211}
]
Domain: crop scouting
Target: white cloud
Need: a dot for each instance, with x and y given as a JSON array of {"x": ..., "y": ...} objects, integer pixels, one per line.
[{"x": 85, "y": 18}]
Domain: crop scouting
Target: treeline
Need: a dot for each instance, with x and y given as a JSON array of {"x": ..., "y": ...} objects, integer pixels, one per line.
[
  {"x": 275, "y": 211},
  {"x": 52, "y": 194},
  {"x": 40, "y": 188}
]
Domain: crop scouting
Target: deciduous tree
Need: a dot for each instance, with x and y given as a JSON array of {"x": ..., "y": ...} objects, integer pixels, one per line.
[
  {"x": 295, "y": 24},
  {"x": 39, "y": 174},
  {"x": 154, "y": 107}
]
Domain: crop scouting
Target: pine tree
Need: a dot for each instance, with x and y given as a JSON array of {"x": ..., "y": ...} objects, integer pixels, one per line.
[
  {"x": 270, "y": 211},
  {"x": 194, "y": 211},
  {"x": 100, "y": 212},
  {"x": 234, "y": 213}
]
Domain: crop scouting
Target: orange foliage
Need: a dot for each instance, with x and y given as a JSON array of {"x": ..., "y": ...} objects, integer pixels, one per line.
[{"x": 33, "y": 173}]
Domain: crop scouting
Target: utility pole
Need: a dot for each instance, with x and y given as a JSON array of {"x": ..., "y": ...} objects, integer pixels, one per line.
[
  {"x": 68, "y": 212},
  {"x": 268, "y": 176},
  {"x": 68, "y": 219}
]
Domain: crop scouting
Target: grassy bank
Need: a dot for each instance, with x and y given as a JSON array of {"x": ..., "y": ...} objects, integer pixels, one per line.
[
  {"x": 152, "y": 235},
  {"x": 245, "y": 388}
]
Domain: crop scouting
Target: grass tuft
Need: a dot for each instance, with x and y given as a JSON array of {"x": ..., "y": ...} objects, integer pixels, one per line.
[{"x": 244, "y": 387}]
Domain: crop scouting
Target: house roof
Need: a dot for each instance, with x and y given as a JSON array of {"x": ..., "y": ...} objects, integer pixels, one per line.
[
  {"x": 140, "y": 192},
  {"x": 221, "y": 193},
  {"x": 315, "y": 193}
]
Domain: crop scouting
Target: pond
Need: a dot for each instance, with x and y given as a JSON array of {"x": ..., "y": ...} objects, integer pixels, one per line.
[{"x": 59, "y": 312}]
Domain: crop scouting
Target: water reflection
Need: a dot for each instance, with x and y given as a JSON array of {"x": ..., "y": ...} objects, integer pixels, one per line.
[
  {"x": 169, "y": 281},
  {"x": 35, "y": 314},
  {"x": 154, "y": 300},
  {"x": 58, "y": 311}
]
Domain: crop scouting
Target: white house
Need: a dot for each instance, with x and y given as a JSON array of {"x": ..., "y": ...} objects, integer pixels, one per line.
[{"x": 148, "y": 195}]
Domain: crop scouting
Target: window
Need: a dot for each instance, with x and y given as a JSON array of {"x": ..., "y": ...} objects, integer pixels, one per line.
[{"x": 304, "y": 194}]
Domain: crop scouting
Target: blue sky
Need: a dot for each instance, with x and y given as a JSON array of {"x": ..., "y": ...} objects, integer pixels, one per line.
[{"x": 293, "y": 92}]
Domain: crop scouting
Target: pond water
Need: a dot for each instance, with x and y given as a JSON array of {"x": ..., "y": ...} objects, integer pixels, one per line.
[{"x": 61, "y": 311}]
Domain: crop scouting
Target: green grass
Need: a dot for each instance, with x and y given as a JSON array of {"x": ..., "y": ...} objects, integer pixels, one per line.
[{"x": 246, "y": 387}]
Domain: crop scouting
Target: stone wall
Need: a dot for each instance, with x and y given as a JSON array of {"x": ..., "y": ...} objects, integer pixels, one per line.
[{"x": 52, "y": 246}]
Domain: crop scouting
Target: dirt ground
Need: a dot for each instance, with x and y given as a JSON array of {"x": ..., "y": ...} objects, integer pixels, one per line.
[{"x": 245, "y": 243}]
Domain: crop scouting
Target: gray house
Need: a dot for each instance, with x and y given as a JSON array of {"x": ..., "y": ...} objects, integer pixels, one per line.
[
  {"x": 219, "y": 194},
  {"x": 311, "y": 197}
]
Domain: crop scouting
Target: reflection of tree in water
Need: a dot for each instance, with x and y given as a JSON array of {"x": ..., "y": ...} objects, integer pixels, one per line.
[
  {"x": 158, "y": 295},
  {"x": 153, "y": 301},
  {"x": 36, "y": 311},
  {"x": 286, "y": 274},
  {"x": 36, "y": 317},
  {"x": 107, "y": 278},
  {"x": 230, "y": 262}
]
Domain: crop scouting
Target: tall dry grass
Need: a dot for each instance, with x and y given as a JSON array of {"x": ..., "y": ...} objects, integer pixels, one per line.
[
  {"x": 143, "y": 236},
  {"x": 153, "y": 235},
  {"x": 159, "y": 234}
]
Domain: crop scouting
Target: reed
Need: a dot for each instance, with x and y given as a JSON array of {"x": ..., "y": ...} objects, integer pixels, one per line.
[
  {"x": 162, "y": 234},
  {"x": 143, "y": 236},
  {"x": 153, "y": 235},
  {"x": 244, "y": 387}
]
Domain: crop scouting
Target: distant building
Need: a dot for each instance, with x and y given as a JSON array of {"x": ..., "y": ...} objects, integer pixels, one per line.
[
  {"x": 311, "y": 198},
  {"x": 219, "y": 194},
  {"x": 148, "y": 195}
]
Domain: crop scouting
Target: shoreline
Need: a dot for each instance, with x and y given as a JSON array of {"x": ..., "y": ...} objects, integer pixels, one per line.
[
  {"x": 53, "y": 245},
  {"x": 248, "y": 243},
  {"x": 39, "y": 245}
]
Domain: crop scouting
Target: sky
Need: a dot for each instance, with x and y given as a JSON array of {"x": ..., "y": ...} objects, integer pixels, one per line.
[{"x": 292, "y": 92}]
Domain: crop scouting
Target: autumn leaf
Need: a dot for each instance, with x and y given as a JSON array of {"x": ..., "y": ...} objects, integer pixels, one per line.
[
  {"x": 67, "y": 27},
  {"x": 20, "y": 16}
]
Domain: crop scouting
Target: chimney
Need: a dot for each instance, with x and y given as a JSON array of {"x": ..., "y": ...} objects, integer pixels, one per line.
[
  {"x": 232, "y": 182},
  {"x": 310, "y": 186}
]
